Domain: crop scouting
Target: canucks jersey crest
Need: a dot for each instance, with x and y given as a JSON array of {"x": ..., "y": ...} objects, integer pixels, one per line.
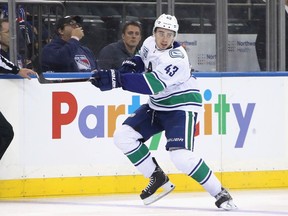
[{"x": 175, "y": 53}]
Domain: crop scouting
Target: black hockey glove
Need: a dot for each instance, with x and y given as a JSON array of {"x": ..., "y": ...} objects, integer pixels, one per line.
[{"x": 106, "y": 79}]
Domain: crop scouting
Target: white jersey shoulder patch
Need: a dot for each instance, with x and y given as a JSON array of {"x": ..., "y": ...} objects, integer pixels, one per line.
[{"x": 176, "y": 53}]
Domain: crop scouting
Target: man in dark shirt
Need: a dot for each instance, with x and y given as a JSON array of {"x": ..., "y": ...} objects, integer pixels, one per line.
[
  {"x": 112, "y": 55},
  {"x": 65, "y": 53}
]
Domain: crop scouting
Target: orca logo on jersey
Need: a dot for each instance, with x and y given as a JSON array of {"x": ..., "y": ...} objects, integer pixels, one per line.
[{"x": 176, "y": 53}]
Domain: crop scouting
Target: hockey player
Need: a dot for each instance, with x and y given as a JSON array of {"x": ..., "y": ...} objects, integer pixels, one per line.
[
  {"x": 6, "y": 129},
  {"x": 162, "y": 71}
]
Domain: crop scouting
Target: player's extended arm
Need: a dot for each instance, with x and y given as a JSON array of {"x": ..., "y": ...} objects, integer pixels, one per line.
[
  {"x": 143, "y": 83},
  {"x": 7, "y": 66}
]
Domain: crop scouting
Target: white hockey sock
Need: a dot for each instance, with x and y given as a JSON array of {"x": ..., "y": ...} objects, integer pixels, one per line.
[
  {"x": 188, "y": 162},
  {"x": 142, "y": 160},
  {"x": 147, "y": 167},
  {"x": 127, "y": 140},
  {"x": 213, "y": 185}
]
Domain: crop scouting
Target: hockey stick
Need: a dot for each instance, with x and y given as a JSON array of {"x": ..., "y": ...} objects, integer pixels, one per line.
[{"x": 43, "y": 80}]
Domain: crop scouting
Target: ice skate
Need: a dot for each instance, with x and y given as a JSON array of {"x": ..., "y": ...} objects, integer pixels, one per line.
[
  {"x": 224, "y": 200},
  {"x": 157, "y": 180}
]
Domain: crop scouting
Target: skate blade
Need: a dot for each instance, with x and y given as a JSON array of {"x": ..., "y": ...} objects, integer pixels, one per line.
[
  {"x": 167, "y": 188},
  {"x": 228, "y": 206}
]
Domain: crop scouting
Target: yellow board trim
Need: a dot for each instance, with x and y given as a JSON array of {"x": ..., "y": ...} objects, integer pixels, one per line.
[{"x": 99, "y": 185}]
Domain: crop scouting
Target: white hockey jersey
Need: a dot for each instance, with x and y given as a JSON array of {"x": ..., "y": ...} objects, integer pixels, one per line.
[{"x": 173, "y": 86}]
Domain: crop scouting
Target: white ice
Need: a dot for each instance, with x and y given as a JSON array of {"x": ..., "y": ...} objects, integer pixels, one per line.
[{"x": 249, "y": 202}]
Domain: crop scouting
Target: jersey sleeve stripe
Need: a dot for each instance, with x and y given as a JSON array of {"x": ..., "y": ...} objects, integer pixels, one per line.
[{"x": 155, "y": 84}]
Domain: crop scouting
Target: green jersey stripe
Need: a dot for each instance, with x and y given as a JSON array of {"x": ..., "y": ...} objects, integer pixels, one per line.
[
  {"x": 155, "y": 84},
  {"x": 194, "y": 97},
  {"x": 189, "y": 130}
]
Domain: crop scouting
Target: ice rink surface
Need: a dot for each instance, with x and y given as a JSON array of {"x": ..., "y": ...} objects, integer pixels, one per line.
[{"x": 249, "y": 202}]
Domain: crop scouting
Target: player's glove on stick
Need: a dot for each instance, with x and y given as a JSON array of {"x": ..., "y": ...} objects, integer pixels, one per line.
[
  {"x": 128, "y": 66},
  {"x": 106, "y": 79},
  {"x": 133, "y": 65}
]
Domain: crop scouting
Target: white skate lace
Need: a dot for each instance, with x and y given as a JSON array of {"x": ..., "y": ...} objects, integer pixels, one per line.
[{"x": 149, "y": 184}]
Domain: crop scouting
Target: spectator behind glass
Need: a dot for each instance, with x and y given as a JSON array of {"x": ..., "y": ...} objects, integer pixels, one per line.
[
  {"x": 4, "y": 41},
  {"x": 4, "y": 37},
  {"x": 260, "y": 44},
  {"x": 24, "y": 37},
  {"x": 112, "y": 55},
  {"x": 65, "y": 53}
]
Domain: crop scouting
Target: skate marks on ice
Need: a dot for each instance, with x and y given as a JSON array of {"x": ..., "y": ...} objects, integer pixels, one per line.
[{"x": 260, "y": 202}]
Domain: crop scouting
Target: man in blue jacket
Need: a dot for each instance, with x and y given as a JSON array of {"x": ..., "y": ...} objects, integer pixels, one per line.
[{"x": 65, "y": 53}]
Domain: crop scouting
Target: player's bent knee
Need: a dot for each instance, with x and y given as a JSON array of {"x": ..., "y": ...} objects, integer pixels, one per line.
[
  {"x": 184, "y": 160},
  {"x": 126, "y": 138}
]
